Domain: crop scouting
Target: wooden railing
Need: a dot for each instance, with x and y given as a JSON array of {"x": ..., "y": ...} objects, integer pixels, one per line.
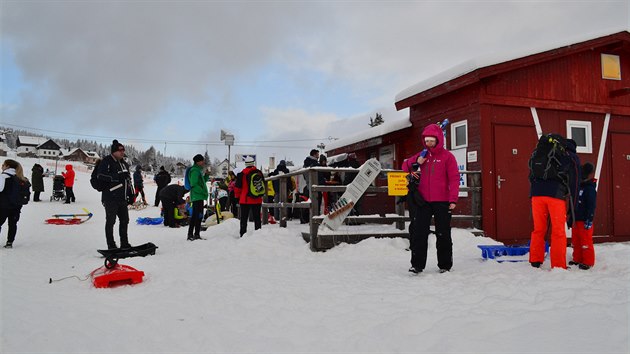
[{"x": 323, "y": 242}]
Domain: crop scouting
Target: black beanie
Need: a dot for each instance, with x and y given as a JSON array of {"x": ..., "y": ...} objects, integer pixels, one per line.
[
  {"x": 116, "y": 145},
  {"x": 198, "y": 158}
]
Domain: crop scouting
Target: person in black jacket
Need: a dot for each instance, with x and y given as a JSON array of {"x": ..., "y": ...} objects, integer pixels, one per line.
[
  {"x": 138, "y": 184},
  {"x": 113, "y": 173},
  {"x": 162, "y": 179},
  {"x": 37, "y": 180},
  {"x": 280, "y": 169},
  {"x": 172, "y": 196},
  {"x": 582, "y": 235},
  {"x": 549, "y": 201}
]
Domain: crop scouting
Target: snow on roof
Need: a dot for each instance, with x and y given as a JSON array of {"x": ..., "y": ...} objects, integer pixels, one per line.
[
  {"x": 93, "y": 154},
  {"x": 379, "y": 130},
  {"x": 497, "y": 58},
  {"x": 32, "y": 140}
]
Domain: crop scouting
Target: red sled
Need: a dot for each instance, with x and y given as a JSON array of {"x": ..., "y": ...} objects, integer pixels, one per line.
[
  {"x": 71, "y": 219},
  {"x": 118, "y": 275}
]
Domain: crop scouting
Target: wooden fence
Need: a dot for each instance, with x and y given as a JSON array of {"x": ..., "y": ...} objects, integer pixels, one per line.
[{"x": 329, "y": 239}]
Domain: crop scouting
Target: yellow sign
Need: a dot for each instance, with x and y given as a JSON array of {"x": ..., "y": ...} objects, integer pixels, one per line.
[{"x": 397, "y": 183}]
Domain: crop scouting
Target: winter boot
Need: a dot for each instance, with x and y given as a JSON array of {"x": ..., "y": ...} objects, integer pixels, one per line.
[
  {"x": 415, "y": 270},
  {"x": 9, "y": 245},
  {"x": 271, "y": 219}
]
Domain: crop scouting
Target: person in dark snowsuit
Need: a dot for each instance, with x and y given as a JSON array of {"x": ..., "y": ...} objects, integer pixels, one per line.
[
  {"x": 280, "y": 169},
  {"x": 10, "y": 205},
  {"x": 37, "y": 180},
  {"x": 162, "y": 179},
  {"x": 138, "y": 184},
  {"x": 113, "y": 173},
  {"x": 582, "y": 234},
  {"x": 172, "y": 196}
]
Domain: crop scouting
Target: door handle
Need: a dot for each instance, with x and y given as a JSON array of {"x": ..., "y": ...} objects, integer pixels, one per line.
[{"x": 499, "y": 180}]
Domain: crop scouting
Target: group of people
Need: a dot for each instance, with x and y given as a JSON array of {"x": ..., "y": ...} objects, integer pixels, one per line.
[
  {"x": 433, "y": 178},
  {"x": 434, "y": 183}
]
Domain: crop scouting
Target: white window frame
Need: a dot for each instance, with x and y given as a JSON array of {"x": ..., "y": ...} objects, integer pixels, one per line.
[
  {"x": 588, "y": 149},
  {"x": 454, "y": 126}
]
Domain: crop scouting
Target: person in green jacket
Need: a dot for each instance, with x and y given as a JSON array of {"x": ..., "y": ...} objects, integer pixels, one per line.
[{"x": 198, "y": 177}]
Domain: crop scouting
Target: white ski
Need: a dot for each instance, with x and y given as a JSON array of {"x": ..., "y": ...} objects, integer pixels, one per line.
[{"x": 367, "y": 173}]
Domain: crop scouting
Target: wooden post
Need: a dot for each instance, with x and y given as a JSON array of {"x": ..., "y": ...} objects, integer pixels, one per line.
[
  {"x": 264, "y": 210},
  {"x": 283, "y": 199},
  {"x": 314, "y": 210},
  {"x": 475, "y": 179},
  {"x": 400, "y": 210}
]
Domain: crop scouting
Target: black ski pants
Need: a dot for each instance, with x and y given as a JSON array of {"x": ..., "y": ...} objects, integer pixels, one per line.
[
  {"x": 245, "y": 210},
  {"x": 194, "y": 228},
  {"x": 157, "y": 195},
  {"x": 168, "y": 207},
  {"x": 419, "y": 230},
  {"x": 13, "y": 215},
  {"x": 70, "y": 195},
  {"x": 116, "y": 209}
]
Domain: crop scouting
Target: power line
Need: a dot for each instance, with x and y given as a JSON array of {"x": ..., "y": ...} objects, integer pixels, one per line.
[{"x": 174, "y": 142}]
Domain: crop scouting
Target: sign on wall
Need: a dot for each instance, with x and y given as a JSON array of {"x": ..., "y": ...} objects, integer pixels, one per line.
[{"x": 460, "y": 156}]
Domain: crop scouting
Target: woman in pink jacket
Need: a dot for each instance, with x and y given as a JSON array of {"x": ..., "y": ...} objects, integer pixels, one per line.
[{"x": 439, "y": 186}]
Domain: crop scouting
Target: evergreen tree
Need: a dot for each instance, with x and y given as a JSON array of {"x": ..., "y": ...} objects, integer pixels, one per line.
[{"x": 378, "y": 120}]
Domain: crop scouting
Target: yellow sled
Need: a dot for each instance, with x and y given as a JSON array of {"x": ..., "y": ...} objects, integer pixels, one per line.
[{"x": 212, "y": 220}]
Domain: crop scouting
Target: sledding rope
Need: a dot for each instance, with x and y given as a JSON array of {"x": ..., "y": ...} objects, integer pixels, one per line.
[{"x": 51, "y": 280}]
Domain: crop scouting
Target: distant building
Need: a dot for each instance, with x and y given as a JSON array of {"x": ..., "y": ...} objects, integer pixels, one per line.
[
  {"x": 37, "y": 146},
  {"x": 76, "y": 154},
  {"x": 4, "y": 148}
]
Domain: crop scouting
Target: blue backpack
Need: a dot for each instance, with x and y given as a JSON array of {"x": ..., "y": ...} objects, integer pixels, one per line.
[{"x": 187, "y": 178}]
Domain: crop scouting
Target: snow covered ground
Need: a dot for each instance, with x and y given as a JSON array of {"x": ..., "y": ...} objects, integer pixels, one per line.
[{"x": 267, "y": 292}]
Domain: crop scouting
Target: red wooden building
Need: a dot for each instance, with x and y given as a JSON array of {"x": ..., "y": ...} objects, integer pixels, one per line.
[{"x": 497, "y": 108}]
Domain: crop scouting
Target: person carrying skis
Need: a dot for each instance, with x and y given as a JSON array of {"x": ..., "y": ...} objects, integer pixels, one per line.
[
  {"x": 247, "y": 201},
  {"x": 582, "y": 234},
  {"x": 162, "y": 179},
  {"x": 439, "y": 186},
  {"x": 549, "y": 201},
  {"x": 37, "y": 178},
  {"x": 138, "y": 184},
  {"x": 198, "y": 176},
  {"x": 10, "y": 199},
  {"x": 68, "y": 181},
  {"x": 113, "y": 173}
]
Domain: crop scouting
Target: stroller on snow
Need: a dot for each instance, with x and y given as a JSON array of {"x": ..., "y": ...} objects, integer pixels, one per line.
[{"x": 58, "y": 188}]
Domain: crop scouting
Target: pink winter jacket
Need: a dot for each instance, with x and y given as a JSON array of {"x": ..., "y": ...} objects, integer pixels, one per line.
[{"x": 439, "y": 180}]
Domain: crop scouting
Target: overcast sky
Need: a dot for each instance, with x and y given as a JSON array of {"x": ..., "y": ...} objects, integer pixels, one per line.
[{"x": 282, "y": 76}]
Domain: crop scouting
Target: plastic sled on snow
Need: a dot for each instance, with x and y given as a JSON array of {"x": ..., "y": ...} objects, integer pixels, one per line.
[
  {"x": 501, "y": 253},
  {"x": 69, "y": 219},
  {"x": 149, "y": 221},
  {"x": 119, "y": 274}
]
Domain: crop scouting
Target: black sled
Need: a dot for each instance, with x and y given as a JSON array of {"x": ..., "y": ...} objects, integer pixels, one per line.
[{"x": 113, "y": 255}]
